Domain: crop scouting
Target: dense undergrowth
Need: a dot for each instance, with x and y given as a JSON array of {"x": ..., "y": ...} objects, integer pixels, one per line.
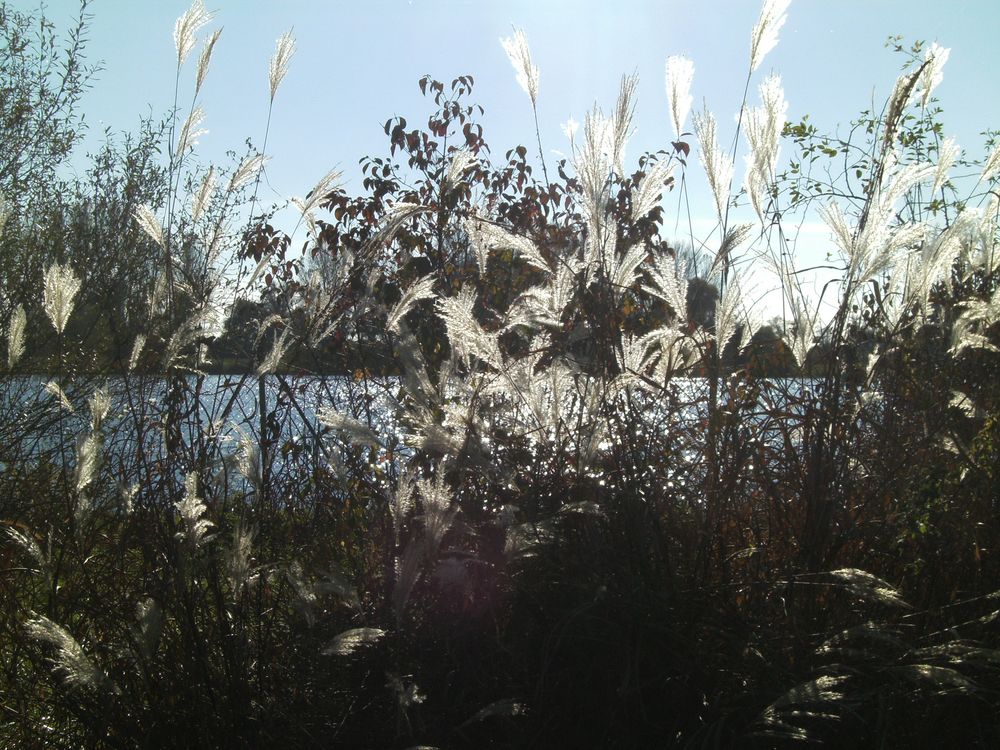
[{"x": 582, "y": 514}]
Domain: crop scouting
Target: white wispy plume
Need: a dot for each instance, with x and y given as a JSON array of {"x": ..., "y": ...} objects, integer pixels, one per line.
[
  {"x": 100, "y": 404},
  {"x": 726, "y": 316},
  {"x": 187, "y": 332},
  {"x": 137, "y": 347},
  {"x": 938, "y": 254},
  {"x": 593, "y": 167},
  {"x": 69, "y": 659},
  {"x": 668, "y": 285},
  {"x": 192, "y": 508},
  {"x": 764, "y": 36},
  {"x": 402, "y": 502},
  {"x": 991, "y": 165},
  {"x": 274, "y": 356},
  {"x": 486, "y": 236},
  {"x": 461, "y": 161},
  {"x": 763, "y": 128},
  {"x": 733, "y": 237},
  {"x": 466, "y": 336},
  {"x": 357, "y": 433},
  {"x": 544, "y": 305},
  {"x": 16, "y": 336},
  {"x": 948, "y": 152},
  {"x": 186, "y": 29},
  {"x": 61, "y": 287},
  {"x": 248, "y": 169},
  {"x": 935, "y": 59},
  {"x": 88, "y": 460},
  {"x": 278, "y": 66},
  {"x": 716, "y": 163},
  {"x": 54, "y": 388},
  {"x": 350, "y": 640},
  {"x": 569, "y": 129},
  {"x": 26, "y": 542},
  {"x": 420, "y": 289},
  {"x": 393, "y": 221},
  {"x": 203, "y": 197},
  {"x": 148, "y": 222},
  {"x": 517, "y": 50},
  {"x": 623, "y": 271},
  {"x": 148, "y": 626},
  {"x": 307, "y": 206},
  {"x": 647, "y": 195},
  {"x": 238, "y": 558},
  {"x": 621, "y": 122},
  {"x": 680, "y": 76},
  {"x": 190, "y": 132},
  {"x": 204, "y": 59},
  {"x": 875, "y": 246}
]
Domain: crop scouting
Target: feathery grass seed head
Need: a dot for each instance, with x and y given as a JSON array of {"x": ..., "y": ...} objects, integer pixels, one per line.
[
  {"x": 61, "y": 287},
  {"x": 15, "y": 336},
  {"x": 764, "y": 36},
  {"x": 517, "y": 50},
  {"x": 680, "y": 75},
  {"x": 186, "y": 29},
  {"x": 278, "y": 67}
]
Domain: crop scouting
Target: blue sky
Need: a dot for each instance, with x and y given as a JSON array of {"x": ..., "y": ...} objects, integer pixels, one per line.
[{"x": 358, "y": 62}]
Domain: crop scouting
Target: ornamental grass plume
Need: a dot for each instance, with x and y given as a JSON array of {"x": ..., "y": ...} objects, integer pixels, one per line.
[
  {"x": 61, "y": 287},
  {"x": 192, "y": 508},
  {"x": 764, "y": 37},
  {"x": 517, "y": 50},
  {"x": 278, "y": 67},
  {"x": 77, "y": 669},
  {"x": 15, "y": 336},
  {"x": 763, "y": 129},
  {"x": 717, "y": 165},
  {"x": 186, "y": 28},
  {"x": 149, "y": 224},
  {"x": 204, "y": 59},
  {"x": 680, "y": 75}
]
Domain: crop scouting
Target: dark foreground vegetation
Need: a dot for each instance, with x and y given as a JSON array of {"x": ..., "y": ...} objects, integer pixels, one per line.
[{"x": 584, "y": 513}]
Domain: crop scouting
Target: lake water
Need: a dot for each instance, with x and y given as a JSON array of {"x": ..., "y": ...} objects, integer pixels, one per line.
[{"x": 212, "y": 412}]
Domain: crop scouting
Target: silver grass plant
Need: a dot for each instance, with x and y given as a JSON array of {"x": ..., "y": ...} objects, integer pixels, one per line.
[
  {"x": 356, "y": 432},
  {"x": 422, "y": 288},
  {"x": 187, "y": 27},
  {"x": 519, "y": 54},
  {"x": 69, "y": 659},
  {"x": 203, "y": 196},
  {"x": 717, "y": 164},
  {"x": 279, "y": 63},
  {"x": 650, "y": 190},
  {"x": 764, "y": 36},
  {"x": 61, "y": 288},
  {"x": 60, "y": 395},
  {"x": 680, "y": 76},
  {"x": 149, "y": 224},
  {"x": 191, "y": 509},
  {"x": 205, "y": 58},
  {"x": 351, "y": 640},
  {"x": 16, "y": 336}
]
